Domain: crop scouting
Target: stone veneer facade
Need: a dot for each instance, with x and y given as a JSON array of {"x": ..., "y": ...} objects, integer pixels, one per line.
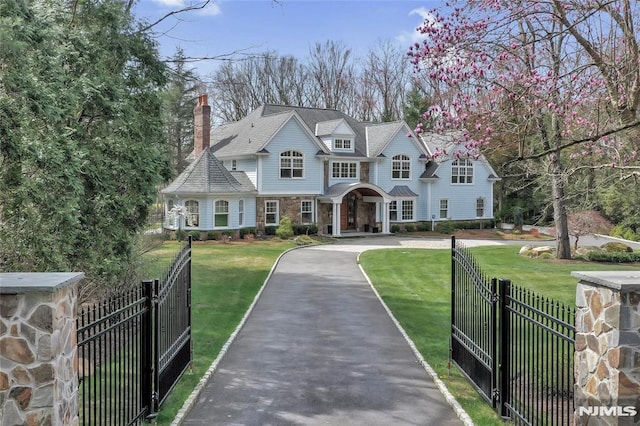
[
  {"x": 38, "y": 349},
  {"x": 607, "y": 357}
]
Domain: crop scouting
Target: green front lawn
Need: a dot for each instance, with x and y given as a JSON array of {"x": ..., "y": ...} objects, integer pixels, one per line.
[
  {"x": 226, "y": 278},
  {"x": 415, "y": 284}
]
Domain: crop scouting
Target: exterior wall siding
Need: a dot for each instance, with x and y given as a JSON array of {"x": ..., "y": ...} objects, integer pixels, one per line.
[
  {"x": 462, "y": 198},
  {"x": 292, "y": 137}
]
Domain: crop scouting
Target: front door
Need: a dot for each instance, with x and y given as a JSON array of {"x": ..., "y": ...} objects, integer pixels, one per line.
[{"x": 348, "y": 212}]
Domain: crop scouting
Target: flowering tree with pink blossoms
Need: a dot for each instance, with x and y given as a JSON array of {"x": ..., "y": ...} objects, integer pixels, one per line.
[{"x": 558, "y": 79}]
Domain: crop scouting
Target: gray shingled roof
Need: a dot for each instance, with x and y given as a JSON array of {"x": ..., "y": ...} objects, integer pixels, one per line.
[
  {"x": 380, "y": 134},
  {"x": 327, "y": 127},
  {"x": 402, "y": 191},
  {"x": 247, "y": 136},
  {"x": 208, "y": 175},
  {"x": 430, "y": 170}
]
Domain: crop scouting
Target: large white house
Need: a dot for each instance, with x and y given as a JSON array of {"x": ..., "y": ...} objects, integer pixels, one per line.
[{"x": 322, "y": 167}]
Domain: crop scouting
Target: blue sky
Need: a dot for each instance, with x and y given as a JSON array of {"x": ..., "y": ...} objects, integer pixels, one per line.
[{"x": 288, "y": 26}]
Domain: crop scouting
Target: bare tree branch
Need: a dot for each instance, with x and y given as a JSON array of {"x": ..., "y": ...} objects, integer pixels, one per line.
[{"x": 197, "y": 6}]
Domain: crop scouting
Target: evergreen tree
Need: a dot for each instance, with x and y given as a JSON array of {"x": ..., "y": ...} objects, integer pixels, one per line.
[{"x": 81, "y": 135}]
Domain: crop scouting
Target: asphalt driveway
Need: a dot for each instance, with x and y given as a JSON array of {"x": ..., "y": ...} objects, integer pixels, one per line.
[{"x": 319, "y": 349}]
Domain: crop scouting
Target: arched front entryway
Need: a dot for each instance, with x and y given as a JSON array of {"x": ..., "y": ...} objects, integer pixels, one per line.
[{"x": 355, "y": 207}]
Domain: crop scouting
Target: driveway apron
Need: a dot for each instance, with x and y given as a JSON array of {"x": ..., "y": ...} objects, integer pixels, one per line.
[{"x": 319, "y": 349}]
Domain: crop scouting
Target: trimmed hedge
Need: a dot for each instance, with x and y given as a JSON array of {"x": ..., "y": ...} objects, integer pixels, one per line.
[
  {"x": 613, "y": 256},
  {"x": 305, "y": 229}
]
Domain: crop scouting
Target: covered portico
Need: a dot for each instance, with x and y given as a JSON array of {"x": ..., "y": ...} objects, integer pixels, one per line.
[{"x": 358, "y": 206}]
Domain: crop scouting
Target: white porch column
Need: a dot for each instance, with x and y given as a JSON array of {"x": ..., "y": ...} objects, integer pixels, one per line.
[
  {"x": 385, "y": 218},
  {"x": 335, "y": 222}
]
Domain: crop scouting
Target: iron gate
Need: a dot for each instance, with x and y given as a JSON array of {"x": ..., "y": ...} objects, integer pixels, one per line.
[
  {"x": 133, "y": 348},
  {"x": 514, "y": 345}
]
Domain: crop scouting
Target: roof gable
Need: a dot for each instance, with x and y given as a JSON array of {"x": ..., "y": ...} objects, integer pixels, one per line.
[{"x": 380, "y": 135}]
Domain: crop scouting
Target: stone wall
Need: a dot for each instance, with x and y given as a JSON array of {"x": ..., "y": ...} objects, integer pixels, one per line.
[
  {"x": 289, "y": 206},
  {"x": 607, "y": 357},
  {"x": 38, "y": 356}
]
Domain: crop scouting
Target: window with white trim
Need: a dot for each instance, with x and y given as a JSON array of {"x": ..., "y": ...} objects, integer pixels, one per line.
[
  {"x": 172, "y": 218},
  {"x": 344, "y": 170},
  {"x": 444, "y": 209},
  {"x": 393, "y": 211},
  {"x": 461, "y": 171},
  {"x": 240, "y": 212},
  {"x": 192, "y": 217},
  {"x": 221, "y": 214},
  {"x": 407, "y": 210},
  {"x": 271, "y": 212},
  {"x": 480, "y": 207},
  {"x": 306, "y": 211},
  {"x": 234, "y": 165},
  {"x": 400, "y": 167},
  {"x": 291, "y": 165},
  {"x": 342, "y": 144}
]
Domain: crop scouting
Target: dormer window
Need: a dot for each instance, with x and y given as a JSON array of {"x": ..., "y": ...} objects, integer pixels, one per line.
[{"x": 345, "y": 144}]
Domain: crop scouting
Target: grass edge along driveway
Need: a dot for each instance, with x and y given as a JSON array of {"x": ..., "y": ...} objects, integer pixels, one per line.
[
  {"x": 225, "y": 281},
  {"x": 415, "y": 285}
]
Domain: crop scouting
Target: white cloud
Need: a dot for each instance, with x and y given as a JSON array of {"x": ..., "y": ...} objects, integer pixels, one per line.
[{"x": 410, "y": 37}]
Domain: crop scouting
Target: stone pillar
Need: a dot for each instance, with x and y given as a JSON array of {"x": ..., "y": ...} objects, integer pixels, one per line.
[
  {"x": 38, "y": 349},
  {"x": 607, "y": 357}
]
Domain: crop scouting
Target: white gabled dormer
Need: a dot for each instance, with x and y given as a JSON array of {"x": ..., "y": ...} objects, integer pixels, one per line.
[{"x": 337, "y": 135}]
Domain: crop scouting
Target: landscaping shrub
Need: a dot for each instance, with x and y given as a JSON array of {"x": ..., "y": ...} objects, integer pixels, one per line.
[
  {"x": 247, "y": 231},
  {"x": 395, "y": 228},
  {"x": 613, "y": 256},
  {"x": 181, "y": 235},
  {"x": 424, "y": 227},
  {"x": 213, "y": 235},
  {"x": 625, "y": 232},
  {"x": 616, "y": 247},
  {"x": 285, "y": 230},
  {"x": 410, "y": 228},
  {"x": 305, "y": 229},
  {"x": 195, "y": 235},
  {"x": 445, "y": 227},
  {"x": 270, "y": 230},
  {"x": 546, "y": 256}
]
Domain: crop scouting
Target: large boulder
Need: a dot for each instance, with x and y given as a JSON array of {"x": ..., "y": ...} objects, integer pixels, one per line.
[{"x": 537, "y": 251}]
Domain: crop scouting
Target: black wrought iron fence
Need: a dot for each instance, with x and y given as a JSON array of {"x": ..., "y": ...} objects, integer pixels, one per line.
[
  {"x": 514, "y": 345},
  {"x": 133, "y": 348}
]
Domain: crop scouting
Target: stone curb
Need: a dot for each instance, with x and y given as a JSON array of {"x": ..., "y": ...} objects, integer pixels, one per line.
[
  {"x": 457, "y": 408},
  {"x": 193, "y": 397}
]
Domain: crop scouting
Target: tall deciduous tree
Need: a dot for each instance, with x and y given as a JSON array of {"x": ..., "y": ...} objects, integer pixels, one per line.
[
  {"x": 81, "y": 134},
  {"x": 521, "y": 69}
]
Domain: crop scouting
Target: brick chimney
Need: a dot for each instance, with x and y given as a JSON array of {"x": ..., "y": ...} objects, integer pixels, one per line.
[{"x": 201, "y": 125}]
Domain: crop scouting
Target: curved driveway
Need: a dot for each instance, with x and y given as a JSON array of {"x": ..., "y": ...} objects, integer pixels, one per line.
[{"x": 319, "y": 349}]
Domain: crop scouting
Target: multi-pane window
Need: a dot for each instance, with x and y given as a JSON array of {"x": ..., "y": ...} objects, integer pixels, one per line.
[
  {"x": 271, "y": 213},
  {"x": 291, "y": 164},
  {"x": 221, "y": 215},
  {"x": 480, "y": 207},
  {"x": 400, "y": 167},
  {"x": 342, "y": 144},
  {"x": 407, "y": 209},
  {"x": 344, "y": 170},
  {"x": 234, "y": 165},
  {"x": 241, "y": 212},
  {"x": 444, "y": 209},
  {"x": 393, "y": 211},
  {"x": 462, "y": 171},
  {"x": 193, "y": 213},
  {"x": 306, "y": 211}
]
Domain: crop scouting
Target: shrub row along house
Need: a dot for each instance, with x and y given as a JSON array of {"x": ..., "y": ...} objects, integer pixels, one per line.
[{"x": 321, "y": 167}]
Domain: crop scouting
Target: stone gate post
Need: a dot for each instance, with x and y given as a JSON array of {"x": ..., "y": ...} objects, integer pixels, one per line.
[
  {"x": 38, "y": 349},
  {"x": 607, "y": 357}
]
